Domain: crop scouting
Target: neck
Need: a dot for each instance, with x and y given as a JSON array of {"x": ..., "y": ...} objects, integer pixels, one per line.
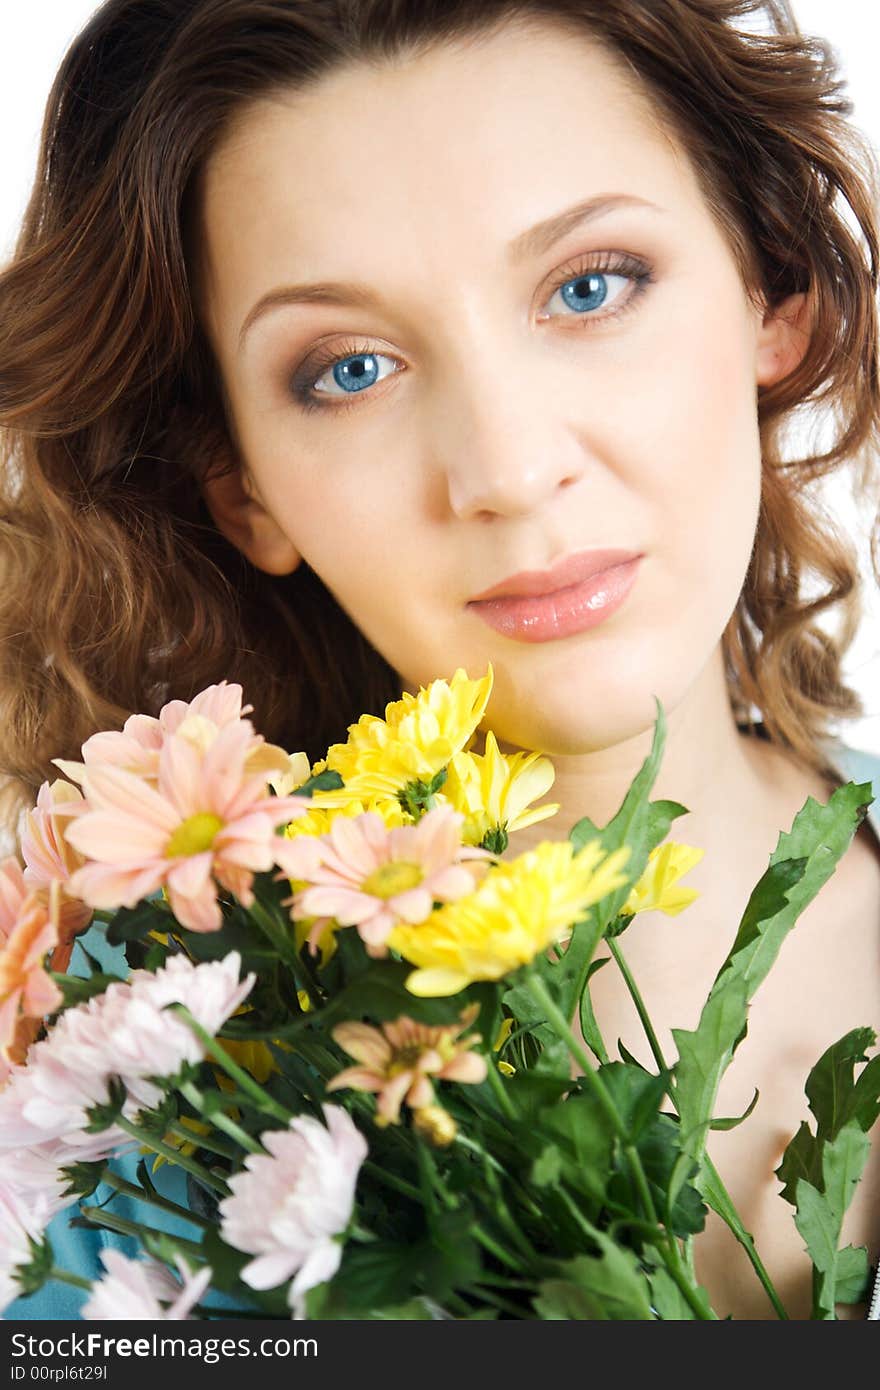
[{"x": 733, "y": 786}]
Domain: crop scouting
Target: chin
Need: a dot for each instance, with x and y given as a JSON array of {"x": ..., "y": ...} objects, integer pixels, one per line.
[{"x": 566, "y": 721}]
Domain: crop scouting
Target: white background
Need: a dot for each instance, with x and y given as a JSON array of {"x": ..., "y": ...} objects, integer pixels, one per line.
[{"x": 33, "y": 38}]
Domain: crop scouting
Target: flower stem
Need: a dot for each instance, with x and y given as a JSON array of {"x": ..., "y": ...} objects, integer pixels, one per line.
[
  {"x": 203, "y": 1141},
  {"x": 268, "y": 1104},
  {"x": 219, "y": 1118},
  {"x": 130, "y": 1189},
  {"x": 556, "y": 1018},
  {"x": 742, "y": 1235},
  {"x": 497, "y": 1086},
  {"x": 99, "y": 1217},
  {"x": 64, "y": 1276},
  {"x": 173, "y": 1155}
]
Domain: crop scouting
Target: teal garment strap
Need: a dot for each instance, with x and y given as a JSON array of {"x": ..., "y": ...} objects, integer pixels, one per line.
[{"x": 78, "y": 1249}]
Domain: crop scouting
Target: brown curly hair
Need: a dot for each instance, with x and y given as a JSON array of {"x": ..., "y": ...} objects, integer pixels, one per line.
[{"x": 117, "y": 591}]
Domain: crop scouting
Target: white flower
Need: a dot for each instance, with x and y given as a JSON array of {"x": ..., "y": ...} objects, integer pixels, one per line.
[
  {"x": 137, "y": 1289},
  {"x": 22, "y": 1216},
  {"x": 292, "y": 1204},
  {"x": 123, "y": 1032}
]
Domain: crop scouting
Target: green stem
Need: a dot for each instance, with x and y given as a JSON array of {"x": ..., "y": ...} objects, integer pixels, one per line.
[
  {"x": 201, "y": 1141},
  {"x": 99, "y": 1217},
  {"x": 130, "y": 1189},
  {"x": 635, "y": 995},
  {"x": 220, "y": 1119},
  {"x": 489, "y": 1243},
  {"x": 556, "y": 1018},
  {"x": 497, "y": 1086},
  {"x": 737, "y": 1228},
  {"x": 391, "y": 1180},
  {"x": 268, "y": 1104},
  {"x": 173, "y": 1155},
  {"x": 64, "y": 1276}
]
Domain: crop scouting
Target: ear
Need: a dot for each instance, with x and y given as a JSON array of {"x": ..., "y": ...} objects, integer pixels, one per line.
[
  {"x": 238, "y": 512},
  {"x": 783, "y": 339}
]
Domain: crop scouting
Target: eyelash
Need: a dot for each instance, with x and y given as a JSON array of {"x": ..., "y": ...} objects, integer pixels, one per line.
[{"x": 610, "y": 262}]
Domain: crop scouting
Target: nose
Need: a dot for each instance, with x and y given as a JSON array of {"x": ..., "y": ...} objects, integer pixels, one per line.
[{"x": 507, "y": 448}]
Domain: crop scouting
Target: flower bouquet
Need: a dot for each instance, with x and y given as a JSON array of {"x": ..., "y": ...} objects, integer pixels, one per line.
[{"x": 317, "y": 1042}]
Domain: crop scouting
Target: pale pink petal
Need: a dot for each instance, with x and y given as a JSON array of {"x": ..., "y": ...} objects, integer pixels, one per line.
[
  {"x": 180, "y": 777},
  {"x": 117, "y": 885},
  {"x": 114, "y": 789},
  {"x": 189, "y": 876},
  {"x": 349, "y": 845},
  {"x": 200, "y": 913},
  {"x": 364, "y": 1043},
  {"x": 298, "y": 857},
  {"x": 414, "y": 905},
  {"x": 420, "y": 1093},
  {"x": 223, "y": 767},
  {"x": 392, "y": 1094},
  {"x": 376, "y": 930},
  {"x": 345, "y": 904},
  {"x": 359, "y": 1078},
  {"x": 469, "y": 1067},
  {"x": 41, "y": 995},
  {"x": 112, "y": 838}
]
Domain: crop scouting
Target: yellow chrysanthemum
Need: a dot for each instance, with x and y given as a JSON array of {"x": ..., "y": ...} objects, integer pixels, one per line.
[
  {"x": 519, "y": 908},
  {"x": 418, "y": 736},
  {"x": 318, "y": 819},
  {"x": 657, "y": 888},
  {"x": 496, "y": 789}
]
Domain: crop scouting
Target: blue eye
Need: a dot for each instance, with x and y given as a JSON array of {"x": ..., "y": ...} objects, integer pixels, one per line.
[
  {"x": 354, "y": 373},
  {"x": 585, "y": 293}
]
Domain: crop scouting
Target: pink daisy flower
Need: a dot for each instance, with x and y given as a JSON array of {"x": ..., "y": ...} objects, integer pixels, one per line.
[
  {"x": 49, "y": 858},
  {"x": 136, "y": 748},
  {"x": 363, "y": 874},
  {"x": 208, "y": 821},
  {"x": 398, "y": 1060},
  {"x": 28, "y": 932}
]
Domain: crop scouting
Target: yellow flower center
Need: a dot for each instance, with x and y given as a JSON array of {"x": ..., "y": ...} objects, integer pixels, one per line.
[
  {"x": 405, "y": 1058},
  {"x": 391, "y": 879},
  {"x": 194, "y": 836}
]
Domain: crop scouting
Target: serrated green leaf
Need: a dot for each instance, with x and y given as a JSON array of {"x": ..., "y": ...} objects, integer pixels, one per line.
[
  {"x": 733, "y": 1121},
  {"x": 853, "y": 1275},
  {"x": 831, "y": 1090},
  {"x": 602, "y": 1288},
  {"x": 587, "y": 1018},
  {"x": 637, "y": 1094},
  {"x": 803, "y": 861},
  {"x": 819, "y": 1214},
  {"x": 802, "y": 1159},
  {"x": 582, "y": 1134},
  {"x": 547, "y": 1167}
]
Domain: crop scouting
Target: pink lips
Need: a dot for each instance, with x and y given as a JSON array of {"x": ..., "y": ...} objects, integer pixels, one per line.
[{"x": 577, "y": 593}]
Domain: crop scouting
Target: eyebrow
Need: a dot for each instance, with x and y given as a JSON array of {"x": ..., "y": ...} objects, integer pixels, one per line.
[{"x": 532, "y": 242}]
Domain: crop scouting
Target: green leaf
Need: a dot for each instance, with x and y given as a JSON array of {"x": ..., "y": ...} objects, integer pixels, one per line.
[
  {"x": 637, "y": 1094},
  {"x": 582, "y": 1134},
  {"x": 327, "y": 781},
  {"x": 830, "y": 1088},
  {"x": 547, "y": 1168},
  {"x": 732, "y": 1121},
  {"x": 77, "y": 991},
  {"x": 819, "y": 1214},
  {"x": 801, "y": 864},
  {"x": 853, "y": 1275},
  {"x": 608, "y": 1287},
  {"x": 635, "y": 824},
  {"x": 134, "y": 923},
  {"x": 589, "y": 1027}
]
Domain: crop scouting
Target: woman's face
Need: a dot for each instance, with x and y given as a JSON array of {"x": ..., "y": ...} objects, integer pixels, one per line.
[{"x": 502, "y": 398}]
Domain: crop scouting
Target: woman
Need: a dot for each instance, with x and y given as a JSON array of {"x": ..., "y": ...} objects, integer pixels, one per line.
[{"x": 349, "y": 343}]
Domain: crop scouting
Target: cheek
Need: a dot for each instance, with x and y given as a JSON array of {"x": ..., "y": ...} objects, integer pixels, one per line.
[{"x": 706, "y": 483}]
